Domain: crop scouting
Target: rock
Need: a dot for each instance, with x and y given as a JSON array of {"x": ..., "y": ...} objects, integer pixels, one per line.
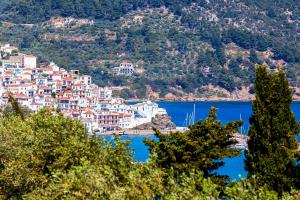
[
  {"x": 170, "y": 96},
  {"x": 160, "y": 122}
]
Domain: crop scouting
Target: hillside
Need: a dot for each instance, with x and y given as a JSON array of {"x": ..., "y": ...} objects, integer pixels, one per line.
[{"x": 189, "y": 48}]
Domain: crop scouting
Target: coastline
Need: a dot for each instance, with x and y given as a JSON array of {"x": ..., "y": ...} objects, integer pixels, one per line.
[
  {"x": 135, "y": 132},
  {"x": 196, "y": 100}
]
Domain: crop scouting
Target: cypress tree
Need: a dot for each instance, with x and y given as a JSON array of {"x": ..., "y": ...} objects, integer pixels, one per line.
[{"x": 272, "y": 147}]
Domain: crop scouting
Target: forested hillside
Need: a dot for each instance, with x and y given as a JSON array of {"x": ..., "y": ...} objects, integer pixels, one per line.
[{"x": 202, "y": 48}]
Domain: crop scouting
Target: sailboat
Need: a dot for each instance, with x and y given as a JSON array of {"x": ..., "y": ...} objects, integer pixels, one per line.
[{"x": 190, "y": 118}]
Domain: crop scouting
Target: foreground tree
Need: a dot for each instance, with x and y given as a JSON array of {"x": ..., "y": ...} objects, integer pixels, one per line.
[
  {"x": 34, "y": 148},
  {"x": 201, "y": 148},
  {"x": 272, "y": 147},
  {"x": 47, "y": 156}
]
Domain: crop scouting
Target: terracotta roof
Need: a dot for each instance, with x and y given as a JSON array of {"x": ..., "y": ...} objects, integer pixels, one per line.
[
  {"x": 45, "y": 69},
  {"x": 68, "y": 79},
  {"x": 127, "y": 115},
  {"x": 45, "y": 88},
  {"x": 64, "y": 98},
  {"x": 30, "y": 56},
  {"x": 14, "y": 85},
  {"x": 20, "y": 96},
  {"x": 125, "y": 62},
  {"x": 24, "y": 79},
  {"x": 88, "y": 112},
  {"x": 114, "y": 113}
]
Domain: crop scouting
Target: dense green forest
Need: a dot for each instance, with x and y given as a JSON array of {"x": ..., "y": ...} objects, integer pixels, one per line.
[
  {"x": 37, "y": 11},
  {"x": 174, "y": 42},
  {"x": 45, "y": 155}
]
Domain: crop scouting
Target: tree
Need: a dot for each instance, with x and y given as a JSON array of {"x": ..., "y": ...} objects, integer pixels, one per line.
[
  {"x": 272, "y": 147},
  {"x": 26, "y": 42},
  {"x": 48, "y": 156},
  {"x": 200, "y": 148},
  {"x": 253, "y": 57},
  {"x": 34, "y": 149},
  {"x": 15, "y": 107}
]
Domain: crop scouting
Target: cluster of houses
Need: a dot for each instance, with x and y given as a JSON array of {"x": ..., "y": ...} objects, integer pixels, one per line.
[{"x": 69, "y": 91}]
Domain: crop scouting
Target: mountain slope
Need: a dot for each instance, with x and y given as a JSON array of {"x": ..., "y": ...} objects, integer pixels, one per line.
[{"x": 182, "y": 46}]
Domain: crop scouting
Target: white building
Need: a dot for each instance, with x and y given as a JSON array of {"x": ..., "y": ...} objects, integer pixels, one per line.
[
  {"x": 85, "y": 79},
  {"x": 126, "y": 121},
  {"x": 148, "y": 110},
  {"x": 7, "y": 48},
  {"x": 74, "y": 94},
  {"x": 54, "y": 67},
  {"x": 125, "y": 69},
  {"x": 29, "y": 61}
]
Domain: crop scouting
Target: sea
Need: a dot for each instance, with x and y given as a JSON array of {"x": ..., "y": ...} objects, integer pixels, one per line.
[{"x": 181, "y": 112}]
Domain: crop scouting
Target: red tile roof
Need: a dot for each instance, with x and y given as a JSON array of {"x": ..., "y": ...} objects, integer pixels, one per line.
[
  {"x": 45, "y": 88},
  {"x": 88, "y": 112}
]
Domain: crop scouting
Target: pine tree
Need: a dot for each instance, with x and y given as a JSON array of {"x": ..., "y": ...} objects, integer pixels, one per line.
[
  {"x": 201, "y": 148},
  {"x": 272, "y": 147}
]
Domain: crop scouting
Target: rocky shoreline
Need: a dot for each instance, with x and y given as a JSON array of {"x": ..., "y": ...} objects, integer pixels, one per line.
[{"x": 160, "y": 122}]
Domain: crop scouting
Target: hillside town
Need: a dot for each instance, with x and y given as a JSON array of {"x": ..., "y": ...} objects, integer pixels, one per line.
[{"x": 74, "y": 94}]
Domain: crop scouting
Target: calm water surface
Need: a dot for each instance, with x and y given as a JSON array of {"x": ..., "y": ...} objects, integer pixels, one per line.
[{"x": 227, "y": 111}]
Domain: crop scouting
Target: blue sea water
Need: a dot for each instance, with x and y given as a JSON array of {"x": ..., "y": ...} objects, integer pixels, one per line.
[{"x": 227, "y": 111}]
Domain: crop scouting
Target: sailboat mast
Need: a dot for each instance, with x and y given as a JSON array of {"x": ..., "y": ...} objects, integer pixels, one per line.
[
  {"x": 194, "y": 113},
  {"x": 242, "y": 130},
  {"x": 186, "y": 119}
]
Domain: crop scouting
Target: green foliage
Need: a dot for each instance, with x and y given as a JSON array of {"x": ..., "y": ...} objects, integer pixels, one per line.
[
  {"x": 247, "y": 40},
  {"x": 272, "y": 146},
  {"x": 173, "y": 44},
  {"x": 142, "y": 182},
  {"x": 249, "y": 189},
  {"x": 47, "y": 156},
  {"x": 125, "y": 93},
  {"x": 202, "y": 147},
  {"x": 32, "y": 150},
  {"x": 37, "y": 11},
  {"x": 8, "y": 111},
  {"x": 253, "y": 57},
  {"x": 53, "y": 95}
]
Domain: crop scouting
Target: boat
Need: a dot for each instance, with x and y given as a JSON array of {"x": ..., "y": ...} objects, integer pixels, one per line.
[{"x": 120, "y": 133}]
